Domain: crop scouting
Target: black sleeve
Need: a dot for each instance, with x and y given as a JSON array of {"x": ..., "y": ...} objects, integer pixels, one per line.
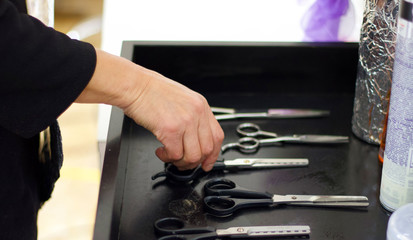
[{"x": 42, "y": 71}]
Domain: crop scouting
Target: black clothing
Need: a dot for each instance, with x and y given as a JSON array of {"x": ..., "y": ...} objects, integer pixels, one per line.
[
  {"x": 20, "y": 5},
  {"x": 41, "y": 73}
]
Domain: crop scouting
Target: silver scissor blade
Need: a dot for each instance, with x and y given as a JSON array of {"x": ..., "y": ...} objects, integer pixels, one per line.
[
  {"x": 322, "y": 200},
  {"x": 222, "y": 110},
  {"x": 311, "y": 138},
  {"x": 288, "y": 230},
  {"x": 272, "y": 113},
  {"x": 343, "y": 201},
  {"x": 241, "y": 115},
  {"x": 296, "y": 113},
  {"x": 266, "y": 162},
  {"x": 335, "y": 204},
  {"x": 343, "y": 198}
]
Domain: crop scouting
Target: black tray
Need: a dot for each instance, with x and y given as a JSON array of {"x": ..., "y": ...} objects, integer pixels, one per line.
[{"x": 248, "y": 76}]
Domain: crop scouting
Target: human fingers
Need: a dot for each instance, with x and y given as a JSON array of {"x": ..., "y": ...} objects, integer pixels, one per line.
[
  {"x": 200, "y": 146},
  {"x": 197, "y": 140},
  {"x": 193, "y": 155},
  {"x": 180, "y": 137},
  {"x": 171, "y": 138},
  {"x": 217, "y": 135}
]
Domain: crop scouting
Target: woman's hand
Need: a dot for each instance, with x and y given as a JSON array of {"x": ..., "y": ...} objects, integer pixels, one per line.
[{"x": 180, "y": 118}]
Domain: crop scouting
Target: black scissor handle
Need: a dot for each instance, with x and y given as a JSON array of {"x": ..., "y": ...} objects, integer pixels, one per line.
[
  {"x": 225, "y": 206},
  {"x": 176, "y": 226},
  {"x": 171, "y": 172},
  {"x": 199, "y": 236},
  {"x": 226, "y": 187}
]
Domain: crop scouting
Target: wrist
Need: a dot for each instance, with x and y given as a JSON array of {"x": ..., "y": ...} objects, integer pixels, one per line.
[{"x": 116, "y": 81}]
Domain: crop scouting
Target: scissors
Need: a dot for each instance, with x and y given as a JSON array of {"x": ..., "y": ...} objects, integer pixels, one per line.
[
  {"x": 175, "y": 228},
  {"x": 230, "y": 113},
  {"x": 250, "y": 142},
  {"x": 223, "y": 197},
  {"x": 172, "y": 173}
]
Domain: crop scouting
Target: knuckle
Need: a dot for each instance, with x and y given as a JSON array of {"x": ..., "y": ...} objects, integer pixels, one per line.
[
  {"x": 174, "y": 156},
  {"x": 207, "y": 148},
  {"x": 193, "y": 158},
  {"x": 199, "y": 103},
  {"x": 167, "y": 130},
  {"x": 219, "y": 136},
  {"x": 171, "y": 128},
  {"x": 187, "y": 118}
]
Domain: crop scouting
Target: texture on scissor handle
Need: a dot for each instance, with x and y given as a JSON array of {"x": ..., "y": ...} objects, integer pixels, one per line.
[
  {"x": 222, "y": 206},
  {"x": 172, "y": 173},
  {"x": 226, "y": 187},
  {"x": 173, "y": 225}
]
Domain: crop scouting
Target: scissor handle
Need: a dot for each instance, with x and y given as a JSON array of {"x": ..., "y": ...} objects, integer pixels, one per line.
[
  {"x": 248, "y": 144},
  {"x": 226, "y": 187},
  {"x": 224, "y": 206},
  {"x": 253, "y": 130},
  {"x": 199, "y": 236},
  {"x": 171, "y": 172},
  {"x": 176, "y": 226}
]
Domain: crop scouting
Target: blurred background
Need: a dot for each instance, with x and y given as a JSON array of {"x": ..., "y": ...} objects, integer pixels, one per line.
[{"x": 70, "y": 213}]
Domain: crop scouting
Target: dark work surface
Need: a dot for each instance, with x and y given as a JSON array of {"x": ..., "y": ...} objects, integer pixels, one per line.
[
  {"x": 253, "y": 67},
  {"x": 129, "y": 201},
  {"x": 350, "y": 169}
]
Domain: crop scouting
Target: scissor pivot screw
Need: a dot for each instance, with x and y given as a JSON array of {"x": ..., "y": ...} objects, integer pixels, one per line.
[
  {"x": 294, "y": 197},
  {"x": 247, "y": 161},
  {"x": 240, "y": 229}
]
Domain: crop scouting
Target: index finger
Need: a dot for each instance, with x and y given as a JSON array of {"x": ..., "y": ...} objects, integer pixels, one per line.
[{"x": 217, "y": 138}]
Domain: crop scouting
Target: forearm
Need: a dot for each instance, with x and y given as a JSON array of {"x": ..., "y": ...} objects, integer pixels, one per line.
[
  {"x": 180, "y": 118},
  {"x": 116, "y": 81}
]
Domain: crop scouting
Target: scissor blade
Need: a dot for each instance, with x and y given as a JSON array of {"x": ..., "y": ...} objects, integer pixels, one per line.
[
  {"x": 326, "y": 200},
  {"x": 222, "y": 110},
  {"x": 241, "y": 115},
  {"x": 247, "y": 163},
  {"x": 320, "y": 139},
  {"x": 296, "y": 113},
  {"x": 337, "y": 204},
  {"x": 343, "y": 201},
  {"x": 292, "y": 230},
  {"x": 272, "y": 113}
]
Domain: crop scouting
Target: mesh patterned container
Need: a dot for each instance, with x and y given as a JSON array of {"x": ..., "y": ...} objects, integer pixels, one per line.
[{"x": 375, "y": 68}]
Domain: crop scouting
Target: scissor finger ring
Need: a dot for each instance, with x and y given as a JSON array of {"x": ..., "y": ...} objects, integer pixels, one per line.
[
  {"x": 253, "y": 130},
  {"x": 243, "y": 127},
  {"x": 245, "y": 144},
  {"x": 248, "y": 144}
]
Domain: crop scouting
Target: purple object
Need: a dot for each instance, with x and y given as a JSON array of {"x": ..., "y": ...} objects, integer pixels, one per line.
[{"x": 322, "y": 21}]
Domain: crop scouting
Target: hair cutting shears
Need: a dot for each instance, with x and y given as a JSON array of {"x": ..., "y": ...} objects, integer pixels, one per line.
[
  {"x": 172, "y": 173},
  {"x": 251, "y": 143},
  {"x": 223, "y": 197},
  {"x": 175, "y": 228},
  {"x": 230, "y": 113}
]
